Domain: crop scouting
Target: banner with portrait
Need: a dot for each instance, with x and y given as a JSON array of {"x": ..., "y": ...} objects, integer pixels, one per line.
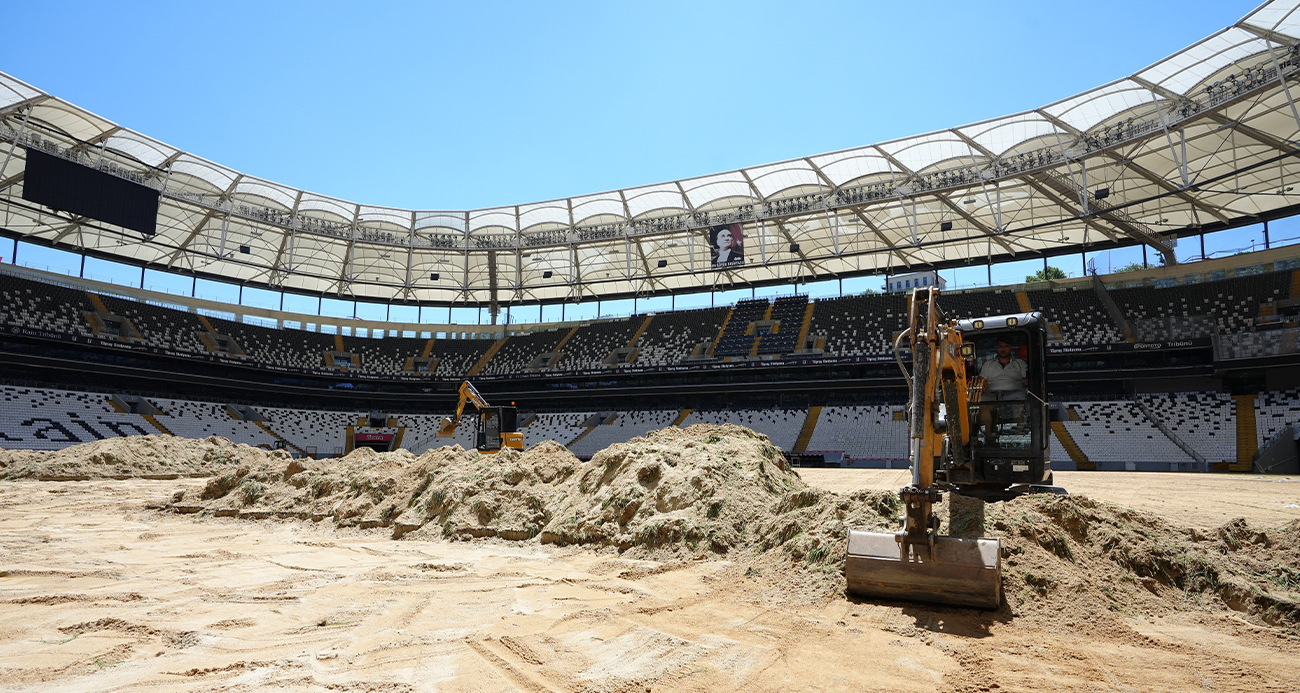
[{"x": 727, "y": 246}]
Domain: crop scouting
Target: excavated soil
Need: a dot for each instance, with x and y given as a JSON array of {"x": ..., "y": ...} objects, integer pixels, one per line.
[
  {"x": 708, "y": 522},
  {"x": 144, "y": 457}
]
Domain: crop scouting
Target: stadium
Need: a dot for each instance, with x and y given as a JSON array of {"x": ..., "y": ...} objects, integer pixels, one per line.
[{"x": 274, "y": 341}]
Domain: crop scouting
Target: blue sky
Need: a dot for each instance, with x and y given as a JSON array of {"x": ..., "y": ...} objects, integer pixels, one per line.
[{"x": 465, "y": 105}]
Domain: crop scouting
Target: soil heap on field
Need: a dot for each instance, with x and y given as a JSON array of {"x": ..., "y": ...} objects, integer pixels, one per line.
[
  {"x": 1069, "y": 558},
  {"x": 721, "y": 490},
  {"x": 152, "y": 456},
  {"x": 705, "y": 489}
]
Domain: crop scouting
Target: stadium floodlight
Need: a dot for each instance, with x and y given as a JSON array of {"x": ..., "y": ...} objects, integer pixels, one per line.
[
  {"x": 945, "y": 226},
  {"x": 433, "y": 276},
  {"x": 1101, "y": 193},
  {"x": 663, "y": 263},
  {"x": 547, "y": 274}
]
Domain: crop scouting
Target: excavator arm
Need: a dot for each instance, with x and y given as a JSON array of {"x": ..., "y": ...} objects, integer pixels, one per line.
[
  {"x": 468, "y": 393},
  {"x": 917, "y": 563}
]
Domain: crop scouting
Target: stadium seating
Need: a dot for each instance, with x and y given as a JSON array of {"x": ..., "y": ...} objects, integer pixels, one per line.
[
  {"x": 42, "y": 419},
  {"x": 737, "y": 339},
  {"x": 868, "y": 432},
  {"x": 165, "y": 328},
  {"x": 385, "y": 354},
  {"x": 1206, "y": 421},
  {"x": 788, "y": 310},
  {"x": 1233, "y": 305},
  {"x": 278, "y": 347},
  {"x": 781, "y": 426},
  {"x": 627, "y": 426},
  {"x": 520, "y": 350},
  {"x": 43, "y": 306},
  {"x": 457, "y": 356},
  {"x": 859, "y": 325},
  {"x": 671, "y": 336},
  {"x": 1274, "y": 411},
  {"x": 561, "y": 428},
  {"x": 1078, "y": 314},
  {"x": 1118, "y": 432},
  {"x": 591, "y": 344},
  {"x": 203, "y": 419},
  {"x": 324, "y": 432}
]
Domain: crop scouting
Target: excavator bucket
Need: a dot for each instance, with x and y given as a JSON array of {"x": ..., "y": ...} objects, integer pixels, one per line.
[
  {"x": 447, "y": 427},
  {"x": 962, "y": 572}
]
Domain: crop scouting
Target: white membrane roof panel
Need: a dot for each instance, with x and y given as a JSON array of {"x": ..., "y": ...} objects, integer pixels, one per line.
[
  {"x": 144, "y": 149},
  {"x": 1004, "y": 134},
  {"x": 1099, "y": 105},
  {"x": 780, "y": 177},
  {"x": 893, "y": 225},
  {"x": 666, "y": 197},
  {"x": 919, "y": 153},
  {"x": 1280, "y": 17},
  {"x": 1184, "y": 70},
  {"x": 545, "y": 213},
  {"x": 597, "y": 205}
]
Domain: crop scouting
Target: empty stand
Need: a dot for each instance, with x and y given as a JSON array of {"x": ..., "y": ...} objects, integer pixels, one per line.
[
  {"x": 787, "y": 312},
  {"x": 671, "y": 336},
  {"x": 561, "y": 428},
  {"x": 1206, "y": 421},
  {"x": 781, "y": 426},
  {"x": 1078, "y": 314},
  {"x": 164, "y": 328},
  {"x": 1117, "y": 433},
  {"x": 592, "y": 344},
  {"x": 520, "y": 350},
  {"x": 738, "y": 339},
  {"x": 43, "y": 306},
  {"x": 627, "y": 426},
  {"x": 871, "y": 432},
  {"x": 41, "y": 419}
]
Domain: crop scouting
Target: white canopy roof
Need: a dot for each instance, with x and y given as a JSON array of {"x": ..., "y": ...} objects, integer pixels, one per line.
[{"x": 1203, "y": 139}]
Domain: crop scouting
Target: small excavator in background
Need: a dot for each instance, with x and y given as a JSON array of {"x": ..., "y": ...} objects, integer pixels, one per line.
[
  {"x": 497, "y": 427},
  {"x": 1006, "y": 458}
]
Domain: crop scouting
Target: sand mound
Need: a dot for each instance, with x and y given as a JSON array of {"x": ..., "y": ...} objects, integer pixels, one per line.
[
  {"x": 1068, "y": 558},
  {"x": 706, "y": 489},
  {"x": 152, "y": 456},
  {"x": 720, "y": 490}
]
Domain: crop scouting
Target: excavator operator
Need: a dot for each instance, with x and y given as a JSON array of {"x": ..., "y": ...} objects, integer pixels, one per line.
[{"x": 1005, "y": 377}]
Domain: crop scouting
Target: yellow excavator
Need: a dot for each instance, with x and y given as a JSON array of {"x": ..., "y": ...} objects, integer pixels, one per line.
[
  {"x": 497, "y": 427},
  {"x": 1007, "y": 455}
]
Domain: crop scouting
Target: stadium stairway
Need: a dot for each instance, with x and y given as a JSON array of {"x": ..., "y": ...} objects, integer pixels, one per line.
[
  {"x": 262, "y": 425},
  {"x": 721, "y": 331},
  {"x": 640, "y": 331},
  {"x": 487, "y": 356},
  {"x": 153, "y": 421},
  {"x": 1022, "y": 299},
  {"x": 1247, "y": 436},
  {"x": 681, "y": 416},
  {"x": 803, "y": 329},
  {"x": 428, "y": 348},
  {"x": 810, "y": 423},
  {"x": 1072, "y": 449},
  {"x": 767, "y": 315}
]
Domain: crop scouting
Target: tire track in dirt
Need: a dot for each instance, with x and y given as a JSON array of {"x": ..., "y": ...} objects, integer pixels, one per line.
[{"x": 515, "y": 675}]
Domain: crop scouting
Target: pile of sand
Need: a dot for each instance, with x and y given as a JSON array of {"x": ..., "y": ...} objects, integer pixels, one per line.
[
  {"x": 1068, "y": 558},
  {"x": 703, "y": 490},
  {"x": 719, "y": 490},
  {"x": 150, "y": 457}
]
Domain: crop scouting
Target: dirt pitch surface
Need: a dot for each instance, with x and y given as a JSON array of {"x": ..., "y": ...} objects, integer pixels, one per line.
[{"x": 1139, "y": 582}]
